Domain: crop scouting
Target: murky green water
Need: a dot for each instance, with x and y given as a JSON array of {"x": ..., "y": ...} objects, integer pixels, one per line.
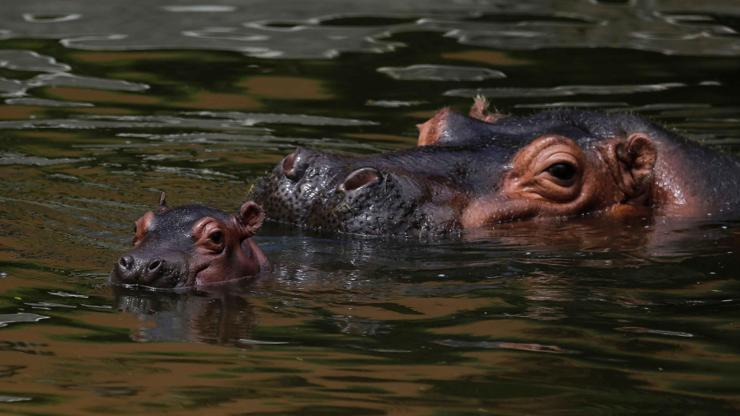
[{"x": 105, "y": 104}]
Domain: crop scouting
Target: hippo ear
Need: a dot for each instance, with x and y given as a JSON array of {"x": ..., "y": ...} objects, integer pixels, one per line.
[
  {"x": 430, "y": 131},
  {"x": 479, "y": 110},
  {"x": 251, "y": 216},
  {"x": 637, "y": 156},
  {"x": 450, "y": 128}
]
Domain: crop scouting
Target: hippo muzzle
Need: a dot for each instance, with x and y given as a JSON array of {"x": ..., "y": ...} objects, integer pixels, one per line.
[
  {"x": 413, "y": 193},
  {"x": 152, "y": 268}
]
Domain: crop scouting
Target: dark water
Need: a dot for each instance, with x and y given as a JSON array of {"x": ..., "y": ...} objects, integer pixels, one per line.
[{"x": 105, "y": 104}]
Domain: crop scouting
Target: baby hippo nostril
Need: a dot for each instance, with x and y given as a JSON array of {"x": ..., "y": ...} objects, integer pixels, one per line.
[
  {"x": 126, "y": 262},
  {"x": 360, "y": 178},
  {"x": 154, "y": 266}
]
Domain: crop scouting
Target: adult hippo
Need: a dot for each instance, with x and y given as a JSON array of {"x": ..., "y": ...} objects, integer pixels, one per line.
[
  {"x": 192, "y": 245},
  {"x": 483, "y": 169}
]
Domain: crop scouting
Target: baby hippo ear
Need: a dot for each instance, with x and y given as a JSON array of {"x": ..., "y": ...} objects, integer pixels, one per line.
[
  {"x": 637, "y": 157},
  {"x": 251, "y": 216}
]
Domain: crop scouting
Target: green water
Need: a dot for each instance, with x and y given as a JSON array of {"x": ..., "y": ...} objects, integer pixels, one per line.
[{"x": 105, "y": 104}]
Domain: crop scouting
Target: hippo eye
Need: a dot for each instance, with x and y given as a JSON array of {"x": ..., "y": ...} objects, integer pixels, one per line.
[
  {"x": 562, "y": 171},
  {"x": 216, "y": 237}
]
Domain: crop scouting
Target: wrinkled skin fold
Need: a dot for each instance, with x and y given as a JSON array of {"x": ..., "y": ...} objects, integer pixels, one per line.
[{"x": 483, "y": 169}]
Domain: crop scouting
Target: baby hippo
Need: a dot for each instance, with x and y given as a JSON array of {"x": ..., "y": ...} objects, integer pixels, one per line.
[{"x": 192, "y": 245}]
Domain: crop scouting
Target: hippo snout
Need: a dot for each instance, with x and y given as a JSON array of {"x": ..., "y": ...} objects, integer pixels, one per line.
[
  {"x": 132, "y": 269},
  {"x": 331, "y": 192}
]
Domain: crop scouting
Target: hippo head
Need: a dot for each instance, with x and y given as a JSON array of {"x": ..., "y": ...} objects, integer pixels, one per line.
[
  {"x": 191, "y": 245},
  {"x": 470, "y": 172}
]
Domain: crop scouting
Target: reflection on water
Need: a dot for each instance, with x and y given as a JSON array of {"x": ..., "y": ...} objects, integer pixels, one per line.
[
  {"x": 267, "y": 29},
  {"x": 105, "y": 104},
  {"x": 217, "y": 316},
  {"x": 440, "y": 73}
]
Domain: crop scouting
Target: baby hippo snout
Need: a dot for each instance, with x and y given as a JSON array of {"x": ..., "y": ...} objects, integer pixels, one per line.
[{"x": 134, "y": 270}]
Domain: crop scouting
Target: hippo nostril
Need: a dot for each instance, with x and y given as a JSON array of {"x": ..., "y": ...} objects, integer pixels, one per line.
[
  {"x": 360, "y": 178},
  {"x": 289, "y": 164},
  {"x": 292, "y": 165},
  {"x": 154, "y": 265},
  {"x": 126, "y": 262}
]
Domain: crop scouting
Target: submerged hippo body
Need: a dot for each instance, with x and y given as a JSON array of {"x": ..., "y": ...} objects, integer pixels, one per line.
[
  {"x": 192, "y": 245},
  {"x": 480, "y": 170}
]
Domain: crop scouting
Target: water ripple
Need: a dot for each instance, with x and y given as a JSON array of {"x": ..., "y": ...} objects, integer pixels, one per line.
[
  {"x": 641, "y": 330},
  {"x": 208, "y": 120},
  {"x": 13, "y": 399},
  {"x": 23, "y": 60},
  {"x": 440, "y": 73},
  {"x": 53, "y": 74},
  {"x": 19, "y": 159},
  {"x": 259, "y": 30},
  {"x": 563, "y": 90},
  {"x": 12, "y": 318},
  {"x": 530, "y": 347}
]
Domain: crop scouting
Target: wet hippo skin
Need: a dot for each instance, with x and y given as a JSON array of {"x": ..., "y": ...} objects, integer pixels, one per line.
[
  {"x": 482, "y": 169},
  {"x": 192, "y": 245}
]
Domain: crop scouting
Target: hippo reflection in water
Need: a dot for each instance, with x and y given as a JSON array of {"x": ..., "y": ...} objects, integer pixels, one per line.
[{"x": 479, "y": 170}]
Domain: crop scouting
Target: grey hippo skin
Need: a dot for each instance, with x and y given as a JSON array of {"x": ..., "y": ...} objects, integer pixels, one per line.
[
  {"x": 482, "y": 169},
  {"x": 191, "y": 246}
]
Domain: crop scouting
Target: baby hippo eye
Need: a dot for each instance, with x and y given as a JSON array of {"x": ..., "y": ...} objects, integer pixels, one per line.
[
  {"x": 216, "y": 237},
  {"x": 562, "y": 171}
]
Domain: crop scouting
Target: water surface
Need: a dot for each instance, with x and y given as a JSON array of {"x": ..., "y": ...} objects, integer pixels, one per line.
[{"x": 105, "y": 104}]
